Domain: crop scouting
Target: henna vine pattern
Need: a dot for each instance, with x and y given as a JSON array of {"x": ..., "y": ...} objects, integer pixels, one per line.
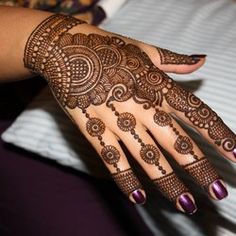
[
  {"x": 168, "y": 57},
  {"x": 171, "y": 186}
]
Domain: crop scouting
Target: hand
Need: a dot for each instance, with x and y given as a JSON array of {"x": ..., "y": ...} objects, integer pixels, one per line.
[{"x": 115, "y": 89}]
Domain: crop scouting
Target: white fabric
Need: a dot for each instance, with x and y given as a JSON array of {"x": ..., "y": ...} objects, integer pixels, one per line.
[
  {"x": 186, "y": 26},
  {"x": 111, "y": 7}
]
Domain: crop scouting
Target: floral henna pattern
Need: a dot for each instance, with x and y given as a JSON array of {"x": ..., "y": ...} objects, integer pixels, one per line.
[
  {"x": 127, "y": 122},
  {"x": 197, "y": 168},
  {"x": 127, "y": 181},
  {"x": 171, "y": 186},
  {"x": 183, "y": 144},
  {"x": 201, "y": 116},
  {"x": 84, "y": 70},
  {"x": 167, "y": 57}
]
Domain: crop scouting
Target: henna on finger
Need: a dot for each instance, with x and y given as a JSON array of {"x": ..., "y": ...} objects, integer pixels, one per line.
[
  {"x": 201, "y": 116},
  {"x": 171, "y": 58},
  {"x": 127, "y": 122},
  {"x": 183, "y": 144},
  {"x": 202, "y": 171}
]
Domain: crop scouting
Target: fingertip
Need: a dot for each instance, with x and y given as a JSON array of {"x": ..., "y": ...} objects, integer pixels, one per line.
[
  {"x": 218, "y": 190},
  {"x": 186, "y": 203},
  {"x": 186, "y": 68},
  {"x": 138, "y": 196}
]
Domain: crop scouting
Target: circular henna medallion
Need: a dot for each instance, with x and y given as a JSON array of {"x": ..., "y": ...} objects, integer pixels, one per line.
[
  {"x": 110, "y": 154},
  {"x": 162, "y": 118},
  {"x": 183, "y": 145},
  {"x": 85, "y": 68},
  {"x": 95, "y": 127},
  {"x": 150, "y": 154},
  {"x": 126, "y": 121}
]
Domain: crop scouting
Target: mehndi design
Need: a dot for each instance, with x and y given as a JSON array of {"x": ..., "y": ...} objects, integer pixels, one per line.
[
  {"x": 171, "y": 186},
  {"x": 84, "y": 70},
  {"x": 167, "y": 57},
  {"x": 197, "y": 168},
  {"x": 127, "y": 181}
]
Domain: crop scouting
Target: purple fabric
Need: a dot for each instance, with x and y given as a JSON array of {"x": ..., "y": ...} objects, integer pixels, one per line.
[{"x": 38, "y": 197}]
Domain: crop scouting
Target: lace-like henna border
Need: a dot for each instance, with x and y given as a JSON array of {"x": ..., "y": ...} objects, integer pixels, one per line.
[
  {"x": 203, "y": 172},
  {"x": 170, "y": 186},
  {"x": 127, "y": 181},
  {"x": 43, "y": 38}
]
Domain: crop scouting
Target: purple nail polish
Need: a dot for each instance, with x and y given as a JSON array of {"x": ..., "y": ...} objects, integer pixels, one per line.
[
  {"x": 219, "y": 189},
  {"x": 234, "y": 152},
  {"x": 198, "y": 55},
  {"x": 138, "y": 197},
  {"x": 187, "y": 204}
]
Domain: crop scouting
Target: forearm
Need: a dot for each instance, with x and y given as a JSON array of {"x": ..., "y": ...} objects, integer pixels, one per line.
[{"x": 16, "y": 24}]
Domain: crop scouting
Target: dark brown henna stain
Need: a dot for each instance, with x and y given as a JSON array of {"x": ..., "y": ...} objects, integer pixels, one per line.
[
  {"x": 170, "y": 186},
  {"x": 126, "y": 121},
  {"x": 183, "y": 145},
  {"x": 171, "y": 58},
  {"x": 201, "y": 116},
  {"x": 162, "y": 118},
  {"x": 202, "y": 171},
  {"x": 110, "y": 154},
  {"x": 83, "y": 69},
  {"x": 95, "y": 127},
  {"x": 127, "y": 181}
]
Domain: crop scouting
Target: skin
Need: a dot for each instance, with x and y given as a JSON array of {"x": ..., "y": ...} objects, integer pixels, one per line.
[{"x": 115, "y": 89}]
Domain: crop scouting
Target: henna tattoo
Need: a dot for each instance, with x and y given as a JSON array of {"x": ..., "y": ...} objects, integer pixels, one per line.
[
  {"x": 110, "y": 154},
  {"x": 127, "y": 181},
  {"x": 95, "y": 127},
  {"x": 183, "y": 145},
  {"x": 168, "y": 57},
  {"x": 162, "y": 118},
  {"x": 126, "y": 121},
  {"x": 201, "y": 116},
  {"x": 202, "y": 171},
  {"x": 150, "y": 154},
  {"x": 170, "y": 186},
  {"x": 84, "y": 70}
]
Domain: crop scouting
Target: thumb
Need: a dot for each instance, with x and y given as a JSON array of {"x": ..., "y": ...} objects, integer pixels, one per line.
[{"x": 172, "y": 62}]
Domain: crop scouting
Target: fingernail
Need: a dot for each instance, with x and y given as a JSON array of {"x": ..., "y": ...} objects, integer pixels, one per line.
[
  {"x": 138, "y": 197},
  {"x": 198, "y": 56},
  {"x": 234, "y": 152},
  {"x": 219, "y": 189},
  {"x": 187, "y": 204}
]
